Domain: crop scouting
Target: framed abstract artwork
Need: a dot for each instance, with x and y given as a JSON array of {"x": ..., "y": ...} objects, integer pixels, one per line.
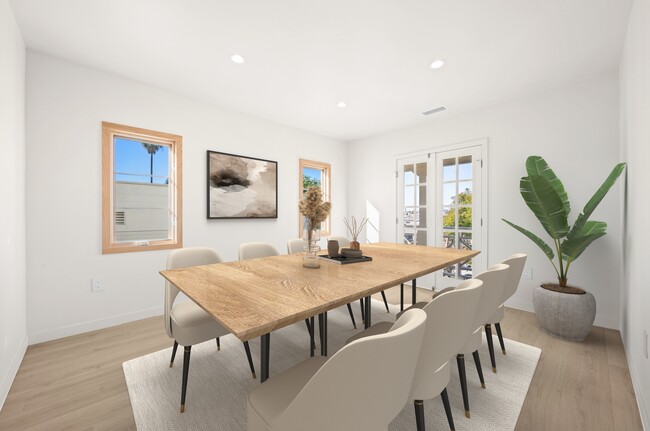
[{"x": 241, "y": 187}]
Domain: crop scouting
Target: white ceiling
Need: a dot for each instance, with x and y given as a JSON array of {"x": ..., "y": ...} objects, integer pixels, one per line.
[{"x": 304, "y": 56}]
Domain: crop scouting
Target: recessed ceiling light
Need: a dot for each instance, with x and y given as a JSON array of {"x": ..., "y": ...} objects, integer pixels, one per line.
[
  {"x": 341, "y": 104},
  {"x": 437, "y": 64},
  {"x": 236, "y": 58}
]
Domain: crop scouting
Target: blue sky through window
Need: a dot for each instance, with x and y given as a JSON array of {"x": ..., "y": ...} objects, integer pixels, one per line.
[
  {"x": 134, "y": 162},
  {"x": 313, "y": 173}
]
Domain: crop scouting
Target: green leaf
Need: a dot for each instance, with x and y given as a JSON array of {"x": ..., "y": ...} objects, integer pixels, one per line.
[
  {"x": 572, "y": 248},
  {"x": 544, "y": 201},
  {"x": 595, "y": 200},
  {"x": 548, "y": 251},
  {"x": 536, "y": 165}
]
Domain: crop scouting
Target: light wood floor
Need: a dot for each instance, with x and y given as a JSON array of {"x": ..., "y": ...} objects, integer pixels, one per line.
[{"x": 77, "y": 383}]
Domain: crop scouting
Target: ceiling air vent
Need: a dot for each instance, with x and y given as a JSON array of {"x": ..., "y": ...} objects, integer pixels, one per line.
[
  {"x": 119, "y": 218},
  {"x": 435, "y": 110}
]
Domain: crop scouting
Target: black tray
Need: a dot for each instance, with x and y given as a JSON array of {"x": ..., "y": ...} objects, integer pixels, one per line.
[{"x": 342, "y": 260}]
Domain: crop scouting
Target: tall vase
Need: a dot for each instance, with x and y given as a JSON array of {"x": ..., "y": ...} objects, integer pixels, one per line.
[{"x": 311, "y": 237}]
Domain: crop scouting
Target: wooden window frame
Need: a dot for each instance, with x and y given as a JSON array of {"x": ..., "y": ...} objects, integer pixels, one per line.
[
  {"x": 175, "y": 143},
  {"x": 327, "y": 175}
]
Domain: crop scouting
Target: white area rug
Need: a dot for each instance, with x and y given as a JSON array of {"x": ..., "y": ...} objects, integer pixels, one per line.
[{"x": 219, "y": 381}]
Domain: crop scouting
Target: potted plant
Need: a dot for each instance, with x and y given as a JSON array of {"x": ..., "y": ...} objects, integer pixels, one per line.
[{"x": 562, "y": 310}]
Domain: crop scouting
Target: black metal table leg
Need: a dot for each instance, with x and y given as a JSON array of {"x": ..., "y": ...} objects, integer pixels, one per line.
[
  {"x": 312, "y": 346},
  {"x": 413, "y": 293},
  {"x": 401, "y": 297},
  {"x": 368, "y": 320},
  {"x": 322, "y": 324},
  {"x": 264, "y": 357}
]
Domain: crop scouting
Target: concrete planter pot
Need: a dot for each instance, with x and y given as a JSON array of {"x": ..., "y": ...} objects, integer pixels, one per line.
[{"x": 563, "y": 315}]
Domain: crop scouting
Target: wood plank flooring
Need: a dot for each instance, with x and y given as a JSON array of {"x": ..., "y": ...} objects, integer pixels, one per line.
[{"x": 77, "y": 383}]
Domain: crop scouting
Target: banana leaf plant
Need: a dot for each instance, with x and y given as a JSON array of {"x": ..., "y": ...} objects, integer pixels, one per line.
[{"x": 544, "y": 194}]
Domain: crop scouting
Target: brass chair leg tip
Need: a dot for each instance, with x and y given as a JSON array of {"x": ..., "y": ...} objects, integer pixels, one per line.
[
  {"x": 254, "y": 376},
  {"x": 504, "y": 351},
  {"x": 467, "y": 413},
  {"x": 182, "y": 408},
  {"x": 494, "y": 369},
  {"x": 171, "y": 364},
  {"x": 218, "y": 348},
  {"x": 483, "y": 385}
]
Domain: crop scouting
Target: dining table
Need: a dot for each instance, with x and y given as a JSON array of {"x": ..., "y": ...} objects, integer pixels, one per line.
[{"x": 252, "y": 298}]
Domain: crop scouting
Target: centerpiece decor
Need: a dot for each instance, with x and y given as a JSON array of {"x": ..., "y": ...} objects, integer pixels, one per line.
[
  {"x": 315, "y": 212},
  {"x": 562, "y": 310},
  {"x": 355, "y": 229}
]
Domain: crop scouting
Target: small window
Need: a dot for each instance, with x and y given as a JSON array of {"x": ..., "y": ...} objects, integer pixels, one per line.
[
  {"x": 316, "y": 174},
  {"x": 141, "y": 189}
]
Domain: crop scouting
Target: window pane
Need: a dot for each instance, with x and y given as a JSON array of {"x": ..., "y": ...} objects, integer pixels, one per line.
[
  {"x": 409, "y": 225},
  {"x": 311, "y": 178},
  {"x": 465, "y": 218},
  {"x": 409, "y": 176},
  {"x": 421, "y": 238},
  {"x": 409, "y": 196},
  {"x": 141, "y": 212},
  {"x": 421, "y": 171},
  {"x": 465, "y": 192},
  {"x": 449, "y": 193},
  {"x": 423, "y": 196},
  {"x": 465, "y": 171},
  {"x": 449, "y": 169},
  {"x": 134, "y": 157},
  {"x": 448, "y": 218},
  {"x": 448, "y": 239},
  {"x": 422, "y": 219}
]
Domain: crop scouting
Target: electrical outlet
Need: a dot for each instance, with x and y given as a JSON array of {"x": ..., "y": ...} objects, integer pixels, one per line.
[
  {"x": 645, "y": 343},
  {"x": 97, "y": 285},
  {"x": 528, "y": 273}
]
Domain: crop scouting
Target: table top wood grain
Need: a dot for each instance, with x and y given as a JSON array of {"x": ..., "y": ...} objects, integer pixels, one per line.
[{"x": 257, "y": 296}]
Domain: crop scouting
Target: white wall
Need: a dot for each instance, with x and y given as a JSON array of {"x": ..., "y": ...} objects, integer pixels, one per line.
[
  {"x": 574, "y": 127},
  {"x": 635, "y": 150},
  {"x": 13, "y": 334},
  {"x": 66, "y": 104}
]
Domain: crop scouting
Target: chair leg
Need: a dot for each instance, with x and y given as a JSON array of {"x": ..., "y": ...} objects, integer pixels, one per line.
[
  {"x": 477, "y": 362},
  {"x": 186, "y": 370},
  {"x": 383, "y": 296},
  {"x": 488, "y": 335},
  {"x": 218, "y": 344},
  {"x": 363, "y": 311},
  {"x": 463, "y": 382},
  {"x": 445, "y": 402},
  {"x": 419, "y": 415},
  {"x": 311, "y": 335},
  {"x": 500, "y": 334},
  {"x": 352, "y": 316},
  {"x": 171, "y": 363},
  {"x": 250, "y": 359}
]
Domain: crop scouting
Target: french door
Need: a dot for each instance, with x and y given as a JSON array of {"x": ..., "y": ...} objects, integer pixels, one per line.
[{"x": 440, "y": 203}]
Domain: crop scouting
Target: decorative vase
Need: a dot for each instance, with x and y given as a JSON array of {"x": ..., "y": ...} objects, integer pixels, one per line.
[
  {"x": 332, "y": 248},
  {"x": 311, "y": 237},
  {"x": 564, "y": 315},
  {"x": 354, "y": 245}
]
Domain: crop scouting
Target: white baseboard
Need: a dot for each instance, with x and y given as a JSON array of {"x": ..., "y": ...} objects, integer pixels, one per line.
[
  {"x": 602, "y": 321},
  {"x": 92, "y": 325},
  {"x": 8, "y": 379}
]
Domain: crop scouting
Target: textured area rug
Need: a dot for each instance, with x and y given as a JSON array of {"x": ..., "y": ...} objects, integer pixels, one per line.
[{"x": 219, "y": 381}]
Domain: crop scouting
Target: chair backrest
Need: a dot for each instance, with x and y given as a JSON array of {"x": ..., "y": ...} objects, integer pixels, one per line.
[
  {"x": 450, "y": 322},
  {"x": 494, "y": 280},
  {"x": 362, "y": 386},
  {"x": 295, "y": 245},
  {"x": 343, "y": 241},
  {"x": 516, "y": 263},
  {"x": 253, "y": 250},
  {"x": 182, "y": 258}
]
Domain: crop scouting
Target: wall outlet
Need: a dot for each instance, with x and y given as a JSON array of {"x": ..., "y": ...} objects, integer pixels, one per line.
[
  {"x": 528, "y": 273},
  {"x": 645, "y": 343},
  {"x": 97, "y": 285}
]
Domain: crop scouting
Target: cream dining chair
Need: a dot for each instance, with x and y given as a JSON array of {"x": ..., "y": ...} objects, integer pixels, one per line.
[
  {"x": 186, "y": 322},
  {"x": 343, "y": 392},
  {"x": 449, "y": 325}
]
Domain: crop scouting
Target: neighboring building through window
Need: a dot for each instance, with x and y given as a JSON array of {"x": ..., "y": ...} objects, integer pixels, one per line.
[
  {"x": 316, "y": 174},
  {"x": 141, "y": 189}
]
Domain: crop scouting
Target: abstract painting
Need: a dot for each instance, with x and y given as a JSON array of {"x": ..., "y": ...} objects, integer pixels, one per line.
[{"x": 241, "y": 187}]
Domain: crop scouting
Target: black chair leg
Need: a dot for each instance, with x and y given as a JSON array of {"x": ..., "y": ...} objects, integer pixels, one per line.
[
  {"x": 383, "y": 296},
  {"x": 463, "y": 382},
  {"x": 352, "y": 316},
  {"x": 250, "y": 359},
  {"x": 363, "y": 311},
  {"x": 218, "y": 344},
  {"x": 419, "y": 414},
  {"x": 500, "y": 334},
  {"x": 171, "y": 363},
  {"x": 311, "y": 335},
  {"x": 488, "y": 335},
  {"x": 477, "y": 362},
  {"x": 445, "y": 402},
  {"x": 186, "y": 370},
  {"x": 312, "y": 325},
  {"x": 401, "y": 297}
]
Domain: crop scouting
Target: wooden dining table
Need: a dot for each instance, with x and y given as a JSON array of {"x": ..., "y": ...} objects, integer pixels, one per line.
[{"x": 252, "y": 298}]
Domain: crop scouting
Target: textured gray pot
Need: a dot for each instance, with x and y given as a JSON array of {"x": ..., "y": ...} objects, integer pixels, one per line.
[{"x": 563, "y": 315}]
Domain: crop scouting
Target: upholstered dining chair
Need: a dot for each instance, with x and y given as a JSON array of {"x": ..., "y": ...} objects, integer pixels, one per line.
[
  {"x": 516, "y": 263},
  {"x": 450, "y": 322},
  {"x": 493, "y": 279},
  {"x": 343, "y": 392},
  {"x": 255, "y": 250},
  {"x": 187, "y": 323}
]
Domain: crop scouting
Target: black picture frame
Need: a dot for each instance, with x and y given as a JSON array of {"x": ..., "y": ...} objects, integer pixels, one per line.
[{"x": 241, "y": 187}]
